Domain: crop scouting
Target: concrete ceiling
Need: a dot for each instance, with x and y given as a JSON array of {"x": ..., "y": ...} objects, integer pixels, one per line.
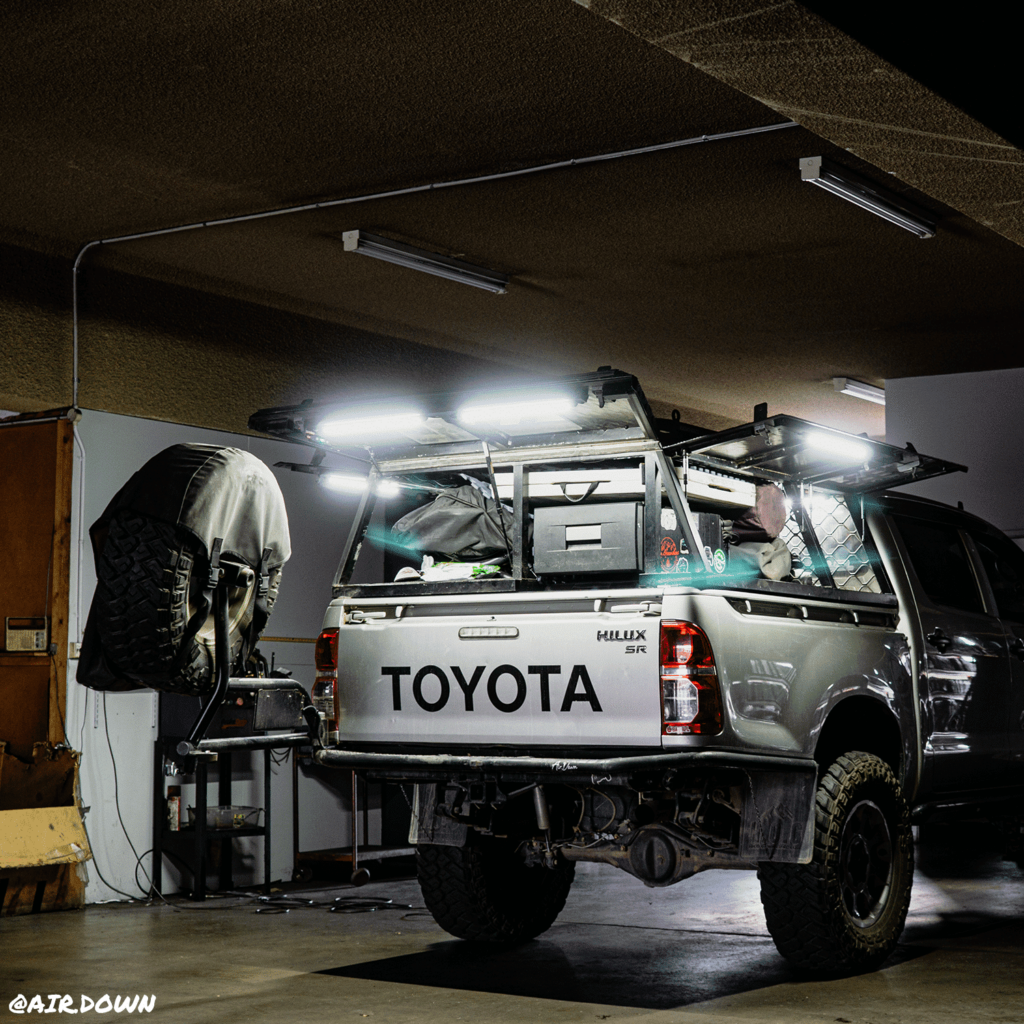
[{"x": 709, "y": 270}]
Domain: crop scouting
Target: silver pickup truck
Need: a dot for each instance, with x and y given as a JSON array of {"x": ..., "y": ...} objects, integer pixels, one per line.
[{"x": 577, "y": 633}]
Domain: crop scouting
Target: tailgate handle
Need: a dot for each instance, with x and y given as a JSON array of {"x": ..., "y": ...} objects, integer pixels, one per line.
[
  {"x": 646, "y": 608},
  {"x": 358, "y": 615}
]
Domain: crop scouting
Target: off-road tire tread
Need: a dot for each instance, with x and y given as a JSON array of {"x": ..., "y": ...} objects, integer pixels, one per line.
[
  {"x": 484, "y": 893},
  {"x": 802, "y": 902},
  {"x": 142, "y": 604}
]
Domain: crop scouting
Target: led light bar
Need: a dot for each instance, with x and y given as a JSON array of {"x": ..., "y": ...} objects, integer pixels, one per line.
[
  {"x": 857, "y": 388},
  {"x": 422, "y": 259},
  {"x": 843, "y": 447},
  {"x": 849, "y": 185},
  {"x": 361, "y": 428},
  {"x": 343, "y": 483},
  {"x": 352, "y": 483},
  {"x": 507, "y": 414}
]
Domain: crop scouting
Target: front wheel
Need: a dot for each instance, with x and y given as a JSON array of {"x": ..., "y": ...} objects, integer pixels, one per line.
[
  {"x": 483, "y": 891},
  {"x": 846, "y": 909}
]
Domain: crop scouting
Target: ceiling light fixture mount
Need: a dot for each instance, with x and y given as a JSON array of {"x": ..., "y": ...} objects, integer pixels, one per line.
[
  {"x": 422, "y": 259},
  {"x": 857, "y": 388},
  {"x": 860, "y": 191}
]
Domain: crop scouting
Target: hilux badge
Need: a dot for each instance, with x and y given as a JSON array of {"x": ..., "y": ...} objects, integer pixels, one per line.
[{"x": 622, "y": 635}]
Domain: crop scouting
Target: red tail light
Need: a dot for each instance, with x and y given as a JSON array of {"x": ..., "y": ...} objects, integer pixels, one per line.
[
  {"x": 691, "y": 701},
  {"x": 327, "y": 651},
  {"x": 325, "y": 688}
]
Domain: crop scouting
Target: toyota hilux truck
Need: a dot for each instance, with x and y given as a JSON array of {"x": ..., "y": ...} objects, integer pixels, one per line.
[{"x": 574, "y": 632}]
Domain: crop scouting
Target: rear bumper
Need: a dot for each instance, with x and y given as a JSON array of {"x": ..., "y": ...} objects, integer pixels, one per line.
[
  {"x": 777, "y": 792},
  {"x": 419, "y": 765}
]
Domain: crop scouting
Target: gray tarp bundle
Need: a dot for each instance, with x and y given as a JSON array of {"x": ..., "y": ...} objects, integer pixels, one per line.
[
  {"x": 754, "y": 536},
  {"x": 208, "y": 491},
  {"x": 460, "y": 524}
]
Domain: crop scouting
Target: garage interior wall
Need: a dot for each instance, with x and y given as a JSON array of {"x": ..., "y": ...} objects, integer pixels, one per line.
[
  {"x": 970, "y": 418},
  {"x": 115, "y": 447}
]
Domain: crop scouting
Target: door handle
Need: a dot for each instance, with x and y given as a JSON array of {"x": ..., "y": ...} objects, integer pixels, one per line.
[
  {"x": 1016, "y": 646},
  {"x": 939, "y": 640}
]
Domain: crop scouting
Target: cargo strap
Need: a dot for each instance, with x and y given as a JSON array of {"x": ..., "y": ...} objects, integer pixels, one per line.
[
  {"x": 202, "y": 612},
  {"x": 261, "y": 608}
]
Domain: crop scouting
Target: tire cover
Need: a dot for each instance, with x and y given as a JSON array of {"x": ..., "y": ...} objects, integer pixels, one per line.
[{"x": 210, "y": 491}]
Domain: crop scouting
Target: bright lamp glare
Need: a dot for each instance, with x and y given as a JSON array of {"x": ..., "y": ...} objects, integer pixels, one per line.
[
  {"x": 343, "y": 483},
  {"x": 369, "y": 427},
  {"x": 387, "y": 489},
  {"x": 841, "y": 447},
  {"x": 510, "y": 414},
  {"x": 351, "y": 483}
]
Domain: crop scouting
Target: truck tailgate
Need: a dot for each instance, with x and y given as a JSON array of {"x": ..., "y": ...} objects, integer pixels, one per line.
[{"x": 553, "y": 674}]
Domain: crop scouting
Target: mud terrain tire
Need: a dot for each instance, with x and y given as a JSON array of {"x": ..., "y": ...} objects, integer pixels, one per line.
[
  {"x": 846, "y": 909},
  {"x": 149, "y": 580},
  {"x": 484, "y": 892}
]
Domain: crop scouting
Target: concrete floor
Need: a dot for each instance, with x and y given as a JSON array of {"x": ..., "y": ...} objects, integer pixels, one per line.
[{"x": 696, "y": 952}]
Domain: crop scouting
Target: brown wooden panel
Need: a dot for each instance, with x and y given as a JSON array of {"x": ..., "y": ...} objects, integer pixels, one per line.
[
  {"x": 24, "y": 703},
  {"x": 28, "y": 478},
  {"x": 36, "y": 462}
]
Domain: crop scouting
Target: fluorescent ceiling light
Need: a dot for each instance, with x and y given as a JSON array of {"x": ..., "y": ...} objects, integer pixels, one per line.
[
  {"x": 844, "y": 447},
  {"x": 369, "y": 428},
  {"x": 421, "y": 259},
  {"x": 876, "y": 199},
  {"x": 510, "y": 414},
  {"x": 857, "y": 388}
]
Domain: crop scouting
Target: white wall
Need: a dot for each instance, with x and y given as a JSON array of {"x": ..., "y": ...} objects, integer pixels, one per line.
[
  {"x": 114, "y": 447},
  {"x": 976, "y": 419}
]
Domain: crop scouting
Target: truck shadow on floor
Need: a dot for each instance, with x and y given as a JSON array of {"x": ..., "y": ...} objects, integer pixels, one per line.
[{"x": 652, "y": 969}]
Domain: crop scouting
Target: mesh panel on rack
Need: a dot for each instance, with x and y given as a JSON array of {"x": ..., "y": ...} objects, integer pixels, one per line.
[
  {"x": 847, "y": 558},
  {"x": 801, "y": 570}
]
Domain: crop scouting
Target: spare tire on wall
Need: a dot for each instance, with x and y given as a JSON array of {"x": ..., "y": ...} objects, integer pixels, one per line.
[
  {"x": 150, "y": 579},
  {"x": 149, "y": 624}
]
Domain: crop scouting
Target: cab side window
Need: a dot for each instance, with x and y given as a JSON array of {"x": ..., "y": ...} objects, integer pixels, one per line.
[
  {"x": 941, "y": 563},
  {"x": 1004, "y": 566}
]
